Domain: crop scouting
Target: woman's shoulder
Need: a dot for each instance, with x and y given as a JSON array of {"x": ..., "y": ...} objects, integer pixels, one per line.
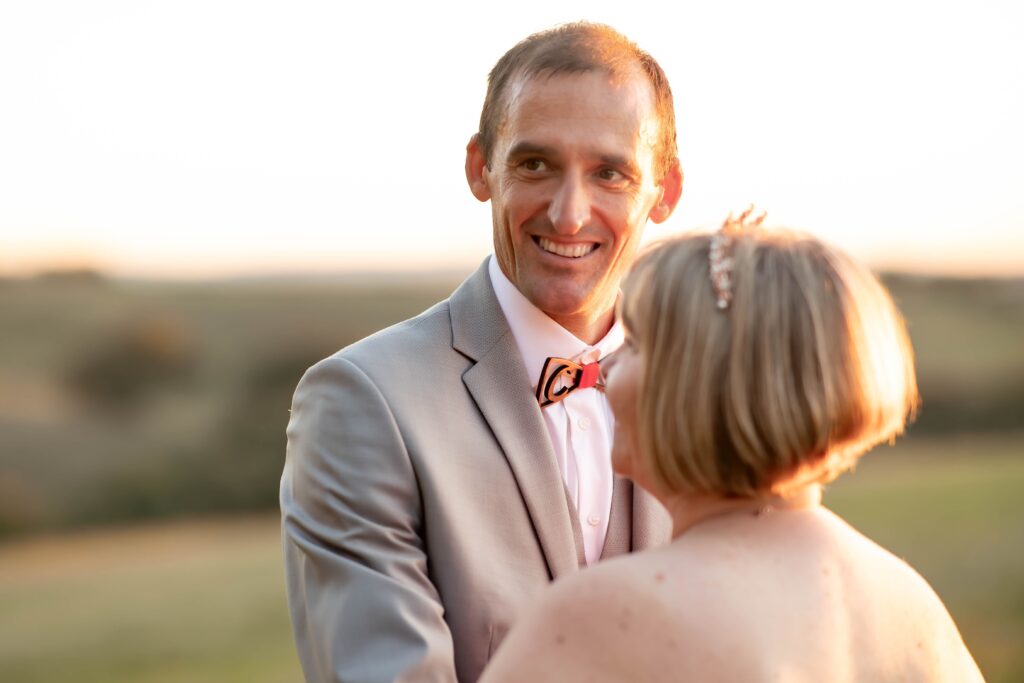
[
  {"x": 597, "y": 625},
  {"x": 618, "y": 599},
  {"x": 909, "y": 611},
  {"x": 883, "y": 572},
  {"x": 678, "y": 612},
  {"x": 637, "y": 593}
]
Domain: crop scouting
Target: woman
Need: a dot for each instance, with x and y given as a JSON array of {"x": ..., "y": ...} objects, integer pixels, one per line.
[{"x": 758, "y": 366}]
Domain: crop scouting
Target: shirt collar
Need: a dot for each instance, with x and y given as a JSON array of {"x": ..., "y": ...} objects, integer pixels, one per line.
[{"x": 537, "y": 335}]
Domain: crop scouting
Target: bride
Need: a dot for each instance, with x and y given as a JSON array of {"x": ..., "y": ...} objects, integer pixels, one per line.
[{"x": 757, "y": 366}]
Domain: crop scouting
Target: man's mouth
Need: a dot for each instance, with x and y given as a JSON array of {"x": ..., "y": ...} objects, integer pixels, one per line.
[{"x": 578, "y": 250}]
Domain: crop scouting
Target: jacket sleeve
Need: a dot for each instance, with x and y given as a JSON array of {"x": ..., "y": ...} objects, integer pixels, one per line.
[{"x": 362, "y": 605}]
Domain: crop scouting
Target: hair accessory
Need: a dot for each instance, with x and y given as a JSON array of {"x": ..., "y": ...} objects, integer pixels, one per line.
[{"x": 720, "y": 260}]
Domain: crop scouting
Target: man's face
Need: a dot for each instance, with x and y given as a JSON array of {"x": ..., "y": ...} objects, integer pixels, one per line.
[{"x": 571, "y": 185}]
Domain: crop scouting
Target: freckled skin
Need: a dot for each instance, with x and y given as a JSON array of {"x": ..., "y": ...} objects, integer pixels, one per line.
[
  {"x": 743, "y": 598},
  {"x": 624, "y": 619},
  {"x": 574, "y": 162}
]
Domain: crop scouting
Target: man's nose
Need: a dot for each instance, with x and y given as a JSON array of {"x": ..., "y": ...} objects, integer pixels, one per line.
[{"x": 570, "y": 207}]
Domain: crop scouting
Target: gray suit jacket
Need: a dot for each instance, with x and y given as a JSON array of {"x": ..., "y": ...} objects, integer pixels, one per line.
[{"x": 421, "y": 501}]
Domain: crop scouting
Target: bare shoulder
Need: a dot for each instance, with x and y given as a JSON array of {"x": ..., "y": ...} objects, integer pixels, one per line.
[
  {"x": 941, "y": 652},
  {"x": 592, "y": 626},
  {"x": 914, "y": 614}
]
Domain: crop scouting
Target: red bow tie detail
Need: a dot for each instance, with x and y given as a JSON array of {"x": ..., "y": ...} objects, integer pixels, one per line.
[{"x": 561, "y": 376}]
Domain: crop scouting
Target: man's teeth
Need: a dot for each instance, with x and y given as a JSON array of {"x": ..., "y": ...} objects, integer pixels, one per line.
[{"x": 569, "y": 250}]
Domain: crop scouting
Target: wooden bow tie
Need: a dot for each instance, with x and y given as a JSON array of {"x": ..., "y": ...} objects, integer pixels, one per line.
[{"x": 574, "y": 375}]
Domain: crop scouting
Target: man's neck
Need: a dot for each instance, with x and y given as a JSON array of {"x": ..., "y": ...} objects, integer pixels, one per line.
[{"x": 587, "y": 328}]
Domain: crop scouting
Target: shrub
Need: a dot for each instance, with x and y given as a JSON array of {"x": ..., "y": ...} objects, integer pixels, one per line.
[{"x": 132, "y": 363}]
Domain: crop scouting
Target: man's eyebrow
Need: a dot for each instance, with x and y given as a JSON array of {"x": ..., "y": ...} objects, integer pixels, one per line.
[
  {"x": 527, "y": 148},
  {"x": 618, "y": 161}
]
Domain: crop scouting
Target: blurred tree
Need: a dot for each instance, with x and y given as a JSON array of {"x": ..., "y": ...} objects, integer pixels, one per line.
[
  {"x": 22, "y": 504},
  {"x": 237, "y": 468},
  {"x": 85, "y": 275},
  {"x": 117, "y": 372}
]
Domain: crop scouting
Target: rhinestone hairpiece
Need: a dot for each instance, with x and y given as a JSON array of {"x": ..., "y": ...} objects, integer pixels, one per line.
[{"x": 720, "y": 259}]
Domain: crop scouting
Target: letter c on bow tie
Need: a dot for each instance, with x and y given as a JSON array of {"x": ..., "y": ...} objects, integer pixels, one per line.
[{"x": 574, "y": 375}]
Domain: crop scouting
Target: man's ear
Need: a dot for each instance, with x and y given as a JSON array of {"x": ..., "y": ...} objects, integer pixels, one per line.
[
  {"x": 476, "y": 170},
  {"x": 671, "y": 191}
]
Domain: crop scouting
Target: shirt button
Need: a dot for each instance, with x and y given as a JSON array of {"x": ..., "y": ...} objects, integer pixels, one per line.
[
  {"x": 593, "y": 520},
  {"x": 584, "y": 423}
]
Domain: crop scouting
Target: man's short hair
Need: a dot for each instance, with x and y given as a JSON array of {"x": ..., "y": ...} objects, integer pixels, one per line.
[
  {"x": 574, "y": 49},
  {"x": 808, "y": 367}
]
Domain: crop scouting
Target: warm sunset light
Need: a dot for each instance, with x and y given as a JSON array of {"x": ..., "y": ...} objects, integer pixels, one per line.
[
  {"x": 274, "y": 408},
  {"x": 208, "y": 139}
]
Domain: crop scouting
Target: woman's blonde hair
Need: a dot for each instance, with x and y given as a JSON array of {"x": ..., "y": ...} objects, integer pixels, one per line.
[{"x": 808, "y": 367}]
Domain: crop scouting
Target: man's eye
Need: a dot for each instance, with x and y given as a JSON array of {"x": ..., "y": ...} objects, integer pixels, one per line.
[
  {"x": 534, "y": 165},
  {"x": 610, "y": 174}
]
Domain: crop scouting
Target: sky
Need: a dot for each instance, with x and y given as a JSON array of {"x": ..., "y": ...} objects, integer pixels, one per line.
[{"x": 219, "y": 138}]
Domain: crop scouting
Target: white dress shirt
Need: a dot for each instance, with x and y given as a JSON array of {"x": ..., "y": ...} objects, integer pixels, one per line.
[{"x": 581, "y": 425}]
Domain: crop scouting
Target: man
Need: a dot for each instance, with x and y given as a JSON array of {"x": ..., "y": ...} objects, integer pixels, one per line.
[{"x": 428, "y": 494}]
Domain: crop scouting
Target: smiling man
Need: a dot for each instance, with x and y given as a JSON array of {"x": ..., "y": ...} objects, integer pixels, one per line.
[{"x": 441, "y": 472}]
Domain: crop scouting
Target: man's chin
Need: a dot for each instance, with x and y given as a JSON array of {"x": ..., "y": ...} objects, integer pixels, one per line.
[
  {"x": 561, "y": 302},
  {"x": 563, "y": 295}
]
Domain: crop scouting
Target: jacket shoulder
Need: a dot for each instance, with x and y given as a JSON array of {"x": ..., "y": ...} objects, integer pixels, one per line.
[
  {"x": 431, "y": 329},
  {"x": 438, "y": 343}
]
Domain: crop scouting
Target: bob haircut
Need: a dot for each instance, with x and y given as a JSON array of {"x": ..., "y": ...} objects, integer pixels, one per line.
[
  {"x": 809, "y": 366},
  {"x": 578, "y": 48}
]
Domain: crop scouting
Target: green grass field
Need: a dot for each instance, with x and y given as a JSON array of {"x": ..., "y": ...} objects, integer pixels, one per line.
[
  {"x": 188, "y": 601},
  {"x": 204, "y": 600}
]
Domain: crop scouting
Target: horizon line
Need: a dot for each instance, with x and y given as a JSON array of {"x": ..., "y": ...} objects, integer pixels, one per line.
[{"x": 92, "y": 273}]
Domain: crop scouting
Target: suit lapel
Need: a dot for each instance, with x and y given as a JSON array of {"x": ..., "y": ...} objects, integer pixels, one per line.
[
  {"x": 620, "y": 533},
  {"x": 498, "y": 385},
  {"x": 652, "y": 525}
]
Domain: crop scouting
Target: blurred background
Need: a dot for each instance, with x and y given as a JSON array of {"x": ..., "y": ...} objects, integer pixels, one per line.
[{"x": 199, "y": 200}]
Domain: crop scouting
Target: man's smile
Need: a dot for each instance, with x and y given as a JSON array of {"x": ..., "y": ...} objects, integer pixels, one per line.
[{"x": 575, "y": 250}]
